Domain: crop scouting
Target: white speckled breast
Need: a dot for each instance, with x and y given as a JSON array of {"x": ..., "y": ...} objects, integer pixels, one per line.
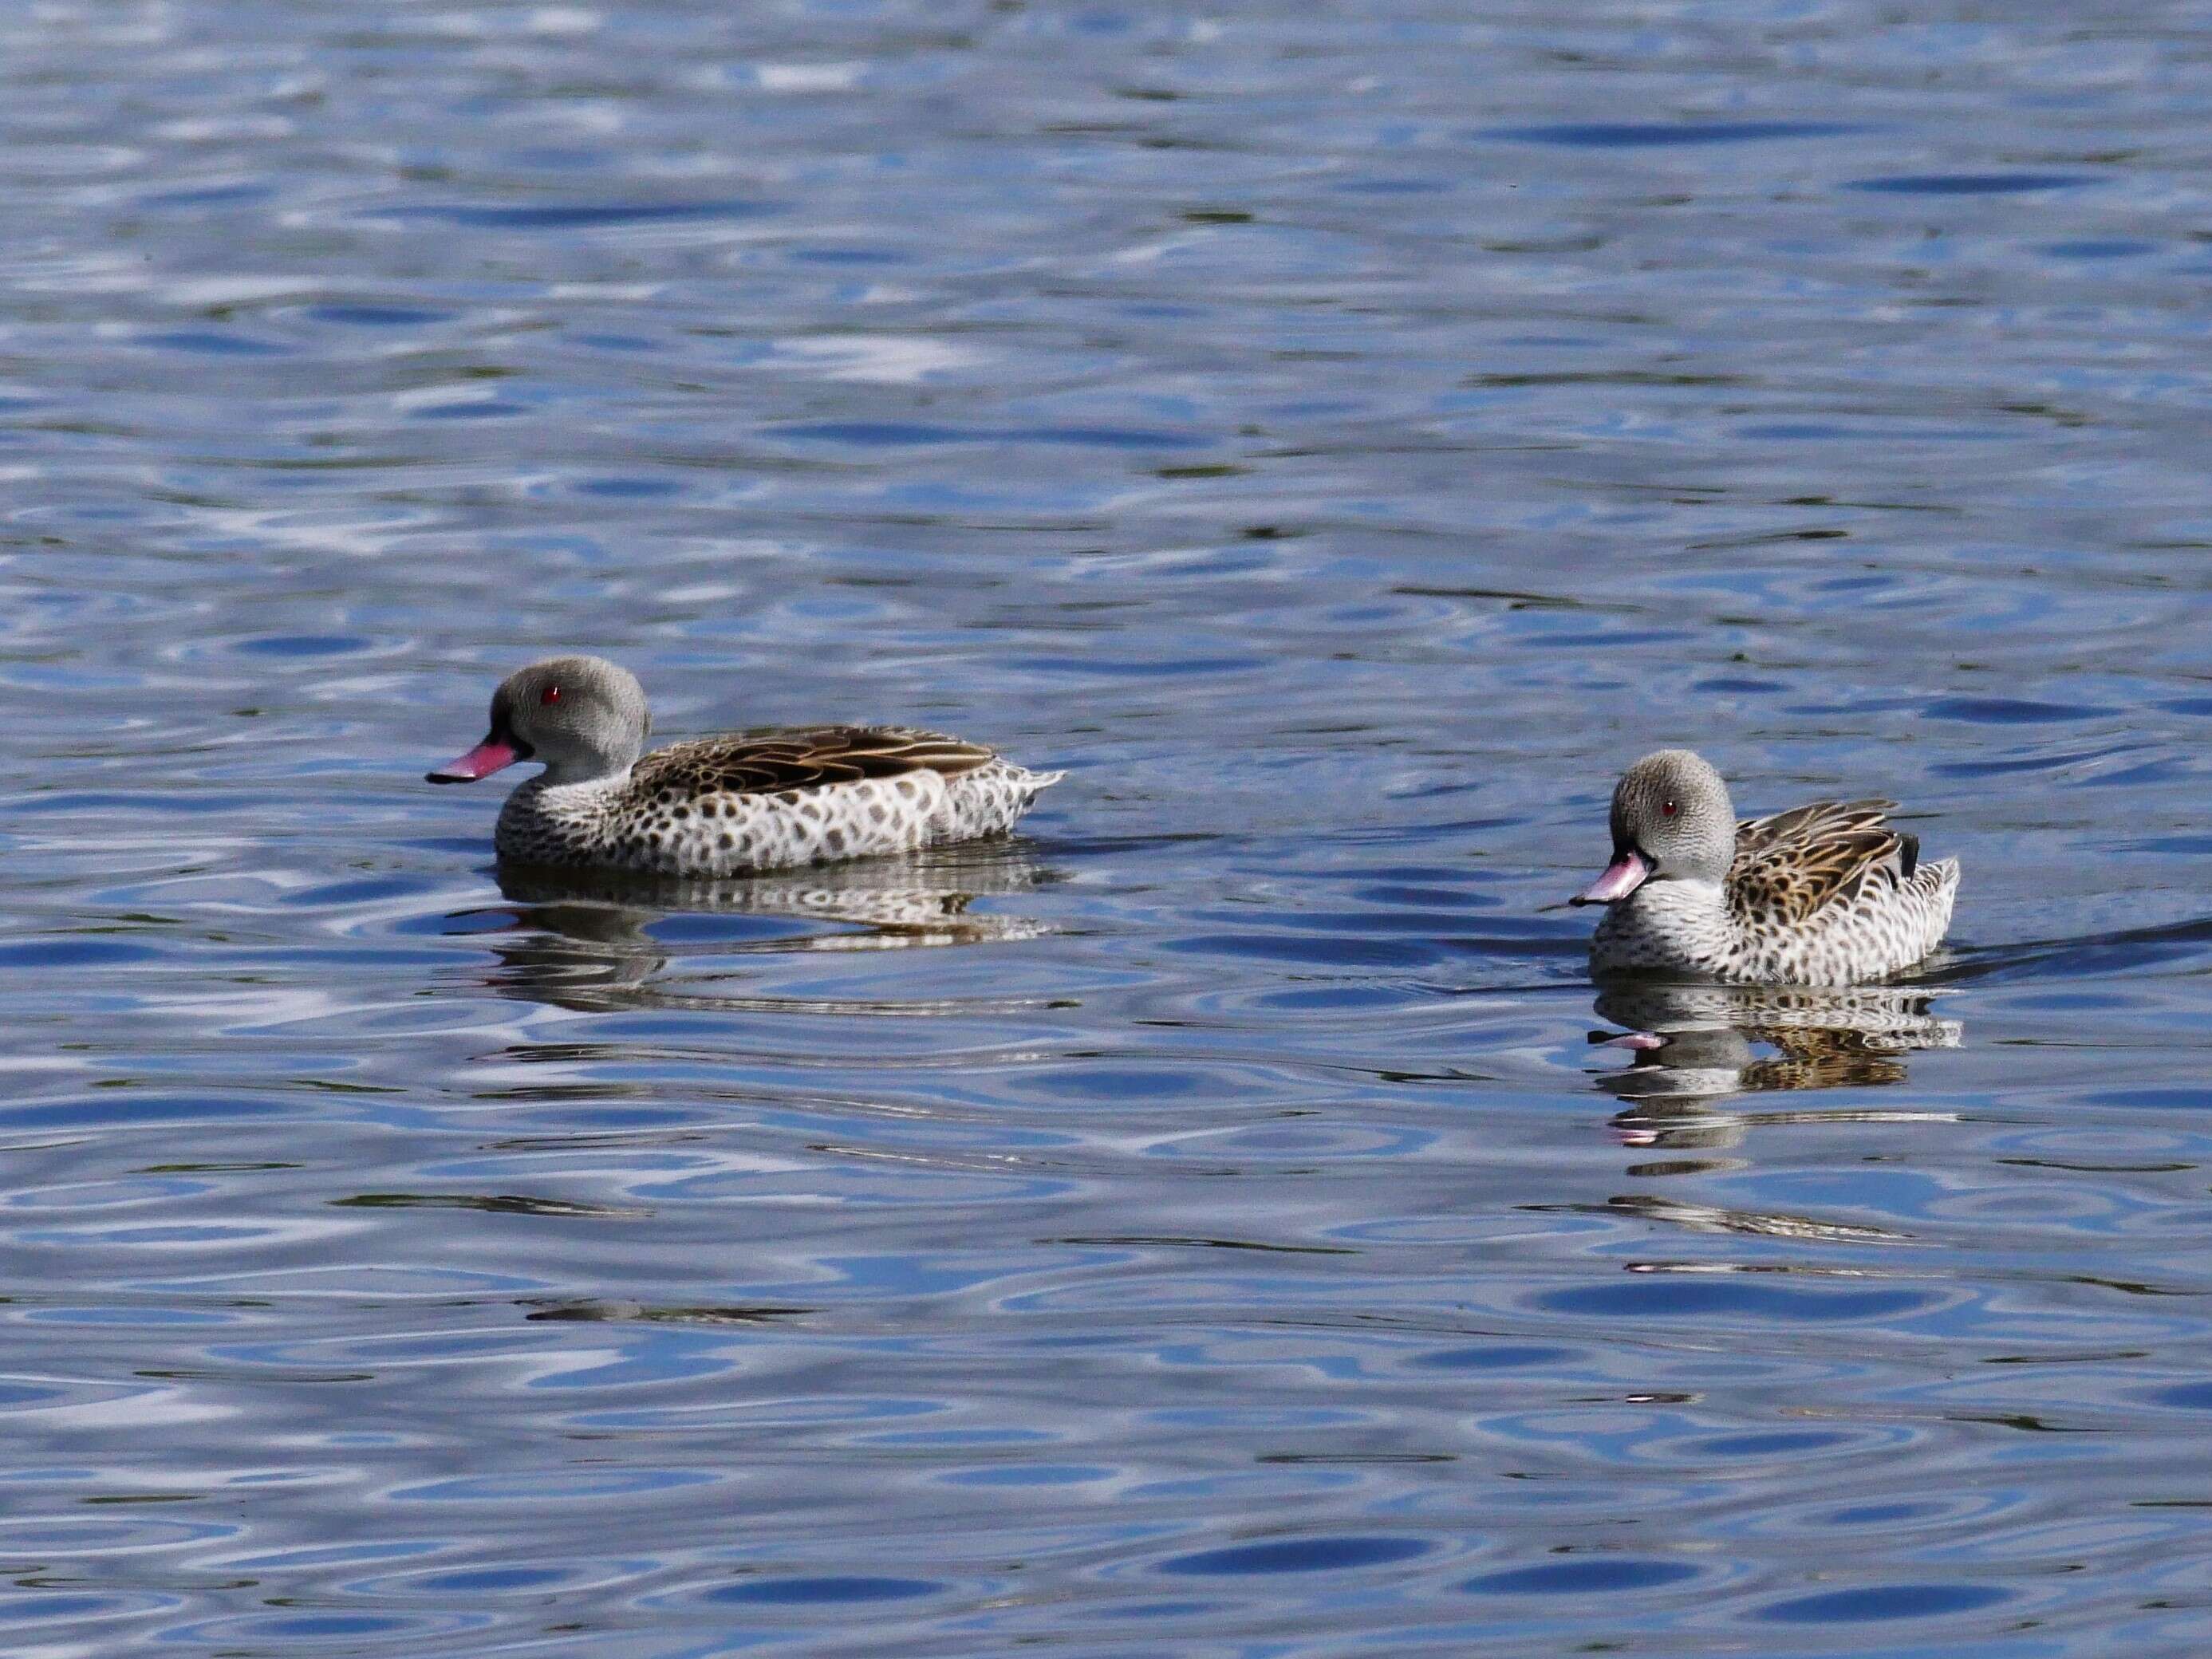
[
  {"x": 613, "y": 824},
  {"x": 1692, "y": 928}
]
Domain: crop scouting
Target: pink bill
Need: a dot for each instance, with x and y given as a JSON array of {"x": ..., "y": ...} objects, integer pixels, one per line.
[
  {"x": 1622, "y": 877},
  {"x": 481, "y": 762}
]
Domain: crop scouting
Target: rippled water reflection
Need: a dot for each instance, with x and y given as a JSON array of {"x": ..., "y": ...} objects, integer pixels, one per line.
[{"x": 1341, "y": 437}]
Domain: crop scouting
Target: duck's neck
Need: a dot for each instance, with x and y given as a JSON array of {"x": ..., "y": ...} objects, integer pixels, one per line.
[
  {"x": 581, "y": 775},
  {"x": 548, "y": 799},
  {"x": 1687, "y": 907}
]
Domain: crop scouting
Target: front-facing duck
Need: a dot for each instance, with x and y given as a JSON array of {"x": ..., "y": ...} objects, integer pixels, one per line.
[
  {"x": 1820, "y": 894},
  {"x": 728, "y": 805}
]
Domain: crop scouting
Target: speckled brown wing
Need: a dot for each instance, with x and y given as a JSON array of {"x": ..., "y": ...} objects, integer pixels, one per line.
[
  {"x": 804, "y": 759},
  {"x": 1792, "y": 865}
]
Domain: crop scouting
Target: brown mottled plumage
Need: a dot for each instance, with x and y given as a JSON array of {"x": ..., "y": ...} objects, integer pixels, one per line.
[
  {"x": 722, "y": 806},
  {"x": 804, "y": 759},
  {"x": 1791, "y": 864},
  {"x": 1820, "y": 894}
]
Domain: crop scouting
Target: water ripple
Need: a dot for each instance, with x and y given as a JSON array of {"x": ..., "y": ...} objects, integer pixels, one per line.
[{"x": 1340, "y": 439}]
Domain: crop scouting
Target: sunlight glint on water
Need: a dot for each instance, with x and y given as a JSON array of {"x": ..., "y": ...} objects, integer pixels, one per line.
[{"x": 1343, "y": 438}]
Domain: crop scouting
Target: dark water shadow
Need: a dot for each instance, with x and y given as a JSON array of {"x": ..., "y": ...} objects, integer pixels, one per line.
[
  {"x": 2126, "y": 950},
  {"x": 1696, "y": 1046},
  {"x": 593, "y": 940}
]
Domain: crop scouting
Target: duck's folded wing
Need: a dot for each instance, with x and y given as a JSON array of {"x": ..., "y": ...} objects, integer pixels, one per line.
[
  {"x": 1794, "y": 865},
  {"x": 806, "y": 759},
  {"x": 1801, "y": 823}
]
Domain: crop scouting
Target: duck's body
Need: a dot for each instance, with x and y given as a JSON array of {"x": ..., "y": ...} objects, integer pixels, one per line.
[
  {"x": 723, "y": 806},
  {"x": 1820, "y": 894}
]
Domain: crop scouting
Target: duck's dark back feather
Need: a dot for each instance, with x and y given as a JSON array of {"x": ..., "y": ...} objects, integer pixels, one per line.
[
  {"x": 806, "y": 758},
  {"x": 1792, "y": 865}
]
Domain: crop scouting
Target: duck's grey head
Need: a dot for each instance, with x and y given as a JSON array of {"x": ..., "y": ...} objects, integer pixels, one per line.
[
  {"x": 1672, "y": 821},
  {"x": 585, "y": 717}
]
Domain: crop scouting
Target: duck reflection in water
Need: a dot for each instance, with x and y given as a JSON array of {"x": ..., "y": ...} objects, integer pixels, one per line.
[
  {"x": 1695, "y": 1046},
  {"x": 587, "y": 940}
]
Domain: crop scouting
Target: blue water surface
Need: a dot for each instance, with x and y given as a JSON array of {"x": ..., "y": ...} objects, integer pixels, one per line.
[{"x": 1341, "y": 436}]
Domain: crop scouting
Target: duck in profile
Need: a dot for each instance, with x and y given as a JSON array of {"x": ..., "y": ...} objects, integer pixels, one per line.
[
  {"x": 722, "y": 807},
  {"x": 1820, "y": 895}
]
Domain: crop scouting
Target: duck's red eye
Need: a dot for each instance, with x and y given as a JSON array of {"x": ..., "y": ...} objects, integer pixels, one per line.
[
  {"x": 1667, "y": 807},
  {"x": 552, "y": 694}
]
